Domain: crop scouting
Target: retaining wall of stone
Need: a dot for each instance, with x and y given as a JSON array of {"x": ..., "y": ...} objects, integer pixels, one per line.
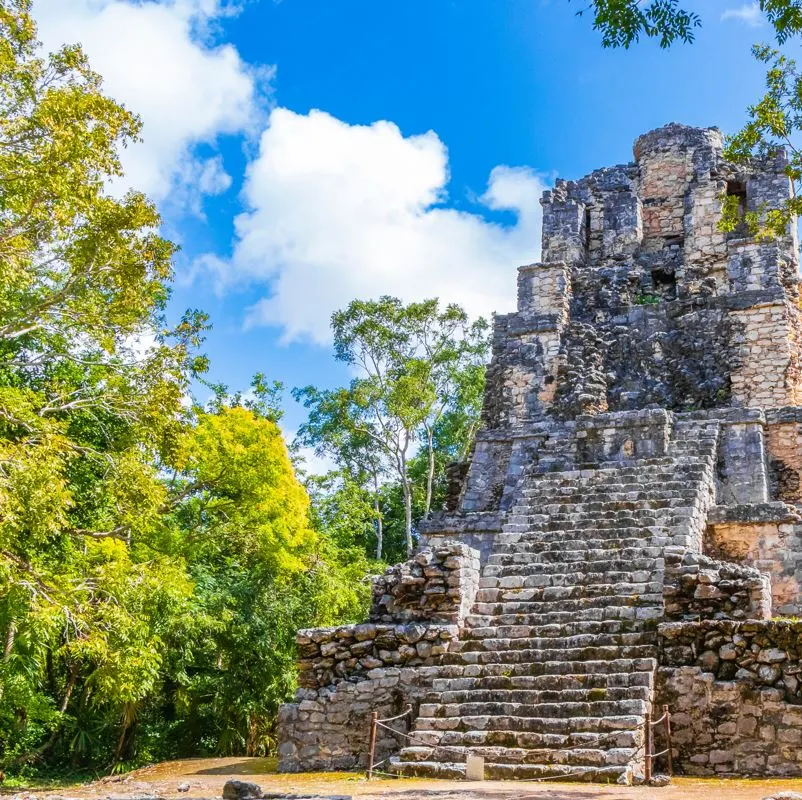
[
  {"x": 735, "y": 693},
  {"x": 383, "y": 665},
  {"x": 697, "y": 587}
]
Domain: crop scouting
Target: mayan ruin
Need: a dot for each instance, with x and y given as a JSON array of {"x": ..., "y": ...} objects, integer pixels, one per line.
[{"x": 626, "y": 533}]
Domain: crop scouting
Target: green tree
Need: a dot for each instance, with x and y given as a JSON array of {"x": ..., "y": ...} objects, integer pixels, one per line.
[
  {"x": 335, "y": 428},
  {"x": 85, "y": 415},
  {"x": 239, "y": 520},
  {"x": 413, "y": 363},
  {"x": 155, "y": 561},
  {"x": 623, "y": 22}
]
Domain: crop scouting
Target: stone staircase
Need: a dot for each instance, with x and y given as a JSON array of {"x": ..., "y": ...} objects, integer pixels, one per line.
[{"x": 554, "y": 672}]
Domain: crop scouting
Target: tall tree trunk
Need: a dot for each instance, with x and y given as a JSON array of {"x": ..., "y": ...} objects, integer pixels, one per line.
[
  {"x": 11, "y": 635},
  {"x": 128, "y": 719},
  {"x": 53, "y": 738},
  {"x": 430, "y": 474},
  {"x": 379, "y": 522},
  {"x": 73, "y": 679},
  {"x": 408, "y": 514},
  {"x": 466, "y": 445}
]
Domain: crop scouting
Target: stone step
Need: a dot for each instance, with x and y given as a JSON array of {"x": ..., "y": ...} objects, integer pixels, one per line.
[
  {"x": 574, "y": 554},
  {"x": 519, "y": 543},
  {"x": 539, "y": 600},
  {"x": 441, "y": 702},
  {"x": 537, "y": 627},
  {"x": 546, "y": 682},
  {"x": 498, "y": 771},
  {"x": 534, "y": 723},
  {"x": 513, "y": 747},
  {"x": 538, "y": 655},
  {"x": 606, "y": 507},
  {"x": 585, "y": 566},
  {"x": 510, "y": 626},
  {"x": 581, "y": 526},
  {"x": 604, "y": 498},
  {"x": 500, "y": 715},
  {"x": 542, "y": 669},
  {"x": 524, "y": 747},
  {"x": 588, "y": 500},
  {"x": 594, "y": 583},
  {"x": 485, "y": 639},
  {"x": 558, "y": 520},
  {"x": 669, "y": 469},
  {"x": 577, "y": 583},
  {"x": 525, "y": 537},
  {"x": 583, "y": 612}
]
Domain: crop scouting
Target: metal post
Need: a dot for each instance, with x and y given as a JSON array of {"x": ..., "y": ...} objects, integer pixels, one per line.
[
  {"x": 374, "y": 718},
  {"x": 647, "y": 765},
  {"x": 669, "y": 754}
]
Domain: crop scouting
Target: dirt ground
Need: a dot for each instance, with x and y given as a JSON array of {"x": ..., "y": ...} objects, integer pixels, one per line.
[{"x": 206, "y": 777}]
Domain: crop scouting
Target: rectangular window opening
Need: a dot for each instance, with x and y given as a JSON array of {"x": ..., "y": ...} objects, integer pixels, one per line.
[
  {"x": 738, "y": 189},
  {"x": 587, "y": 230}
]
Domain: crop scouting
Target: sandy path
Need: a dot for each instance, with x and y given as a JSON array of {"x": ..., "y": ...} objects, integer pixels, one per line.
[{"x": 206, "y": 777}]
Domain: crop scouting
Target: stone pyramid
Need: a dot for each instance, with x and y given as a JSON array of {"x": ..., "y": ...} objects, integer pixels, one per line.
[{"x": 626, "y": 531}]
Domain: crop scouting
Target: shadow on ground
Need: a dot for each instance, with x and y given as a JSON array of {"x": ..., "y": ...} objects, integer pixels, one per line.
[{"x": 247, "y": 766}]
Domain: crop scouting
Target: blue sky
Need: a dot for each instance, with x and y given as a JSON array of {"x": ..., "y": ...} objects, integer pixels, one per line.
[{"x": 307, "y": 151}]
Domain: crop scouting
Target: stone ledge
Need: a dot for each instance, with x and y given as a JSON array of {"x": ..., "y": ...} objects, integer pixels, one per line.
[
  {"x": 443, "y": 524},
  {"x": 754, "y": 513},
  {"x": 776, "y": 416}
]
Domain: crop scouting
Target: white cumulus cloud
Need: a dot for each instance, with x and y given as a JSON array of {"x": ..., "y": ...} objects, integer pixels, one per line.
[
  {"x": 337, "y": 211},
  {"x": 749, "y": 14},
  {"x": 159, "y": 59}
]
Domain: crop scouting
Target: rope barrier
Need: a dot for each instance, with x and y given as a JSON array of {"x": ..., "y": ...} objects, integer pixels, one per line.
[
  {"x": 409, "y": 736},
  {"x": 647, "y": 745},
  {"x": 399, "y": 716}
]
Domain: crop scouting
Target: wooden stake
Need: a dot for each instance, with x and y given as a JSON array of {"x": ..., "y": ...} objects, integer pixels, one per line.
[
  {"x": 647, "y": 765},
  {"x": 374, "y": 718},
  {"x": 669, "y": 754}
]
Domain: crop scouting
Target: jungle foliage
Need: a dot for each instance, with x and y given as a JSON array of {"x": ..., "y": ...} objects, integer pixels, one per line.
[{"x": 157, "y": 554}]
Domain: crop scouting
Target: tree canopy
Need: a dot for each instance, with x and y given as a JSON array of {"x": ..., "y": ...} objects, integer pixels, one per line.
[
  {"x": 156, "y": 554},
  {"x": 419, "y": 375}
]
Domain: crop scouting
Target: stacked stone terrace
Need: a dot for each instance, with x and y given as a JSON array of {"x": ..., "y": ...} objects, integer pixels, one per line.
[{"x": 629, "y": 513}]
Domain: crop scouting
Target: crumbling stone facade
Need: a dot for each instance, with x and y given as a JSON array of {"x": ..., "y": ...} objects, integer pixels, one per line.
[{"x": 629, "y": 520}]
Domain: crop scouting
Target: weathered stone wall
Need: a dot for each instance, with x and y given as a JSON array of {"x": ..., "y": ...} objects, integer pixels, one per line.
[
  {"x": 766, "y": 356},
  {"x": 767, "y": 537},
  {"x": 735, "y": 694},
  {"x": 697, "y": 587},
  {"x": 784, "y": 433},
  {"x": 437, "y": 584},
  {"x": 352, "y": 652},
  {"x": 349, "y": 671},
  {"x": 641, "y": 300},
  {"x": 328, "y": 728}
]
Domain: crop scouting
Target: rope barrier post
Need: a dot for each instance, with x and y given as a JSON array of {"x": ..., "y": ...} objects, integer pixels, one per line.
[
  {"x": 374, "y": 719},
  {"x": 669, "y": 754},
  {"x": 647, "y": 766}
]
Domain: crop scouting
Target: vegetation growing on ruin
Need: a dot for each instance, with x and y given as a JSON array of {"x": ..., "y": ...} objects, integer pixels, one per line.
[{"x": 773, "y": 122}]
